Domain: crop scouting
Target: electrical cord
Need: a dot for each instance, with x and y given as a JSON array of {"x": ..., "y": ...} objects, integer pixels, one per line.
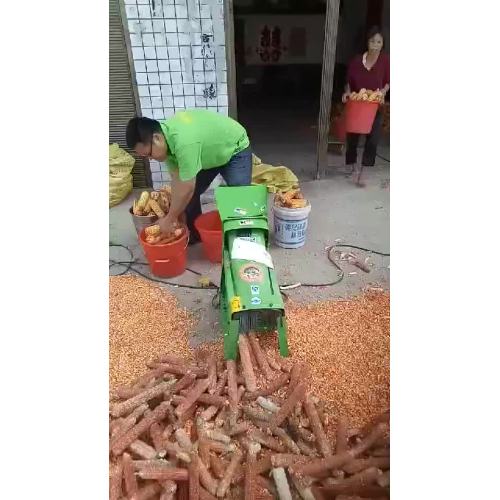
[{"x": 129, "y": 266}]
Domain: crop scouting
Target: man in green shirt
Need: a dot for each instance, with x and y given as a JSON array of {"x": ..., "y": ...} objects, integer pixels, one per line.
[{"x": 197, "y": 145}]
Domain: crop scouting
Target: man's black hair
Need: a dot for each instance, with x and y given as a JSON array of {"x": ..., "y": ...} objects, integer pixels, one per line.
[{"x": 141, "y": 129}]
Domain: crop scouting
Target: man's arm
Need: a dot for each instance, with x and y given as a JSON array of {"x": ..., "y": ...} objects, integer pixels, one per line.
[{"x": 182, "y": 192}]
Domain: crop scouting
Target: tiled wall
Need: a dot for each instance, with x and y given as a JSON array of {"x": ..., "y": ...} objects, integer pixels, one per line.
[{"x": 179, "y": 58}]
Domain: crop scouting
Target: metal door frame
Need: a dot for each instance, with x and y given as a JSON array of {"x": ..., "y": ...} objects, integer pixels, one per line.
[
  {"x": 230, "y": 58},
  {"x": 327, "y": 74}
]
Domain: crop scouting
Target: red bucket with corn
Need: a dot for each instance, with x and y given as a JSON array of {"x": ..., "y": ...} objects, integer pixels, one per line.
[
  {"x": 166, "y": 256},
  {"x": 360, "y": 111}
]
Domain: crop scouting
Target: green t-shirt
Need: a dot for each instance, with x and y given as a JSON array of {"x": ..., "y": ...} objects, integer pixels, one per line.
[{"x": 201, "y": 139}]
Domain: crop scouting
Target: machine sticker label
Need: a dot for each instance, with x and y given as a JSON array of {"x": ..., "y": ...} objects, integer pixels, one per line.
[
  {"x": 235, "y": 305},
  {"x": 255, "y": 289},
  {"x": 256, "y": 301},
  {"x": 248, "y": 238},
  {"x": 251, "y": 273},
  {"x": 246, "y": 222},
  {"x": 240, "y": 211}
]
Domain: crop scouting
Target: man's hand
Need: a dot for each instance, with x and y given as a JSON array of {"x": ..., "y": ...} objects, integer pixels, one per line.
[
  {"x": 345, "y": 97},
  {"x": 167, "y": 225}
]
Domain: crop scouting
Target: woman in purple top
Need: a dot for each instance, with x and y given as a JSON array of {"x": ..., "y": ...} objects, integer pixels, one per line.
[{"x": 367, "y": 71}]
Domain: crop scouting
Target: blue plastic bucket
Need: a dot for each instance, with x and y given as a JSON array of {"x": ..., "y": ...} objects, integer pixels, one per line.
[{"x": 290, "y": 226}]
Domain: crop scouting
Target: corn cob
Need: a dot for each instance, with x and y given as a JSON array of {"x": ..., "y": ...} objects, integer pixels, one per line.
[
  {"x": 153, "y": 230},
  {"x": 156, "y": 208},
  {"x": 143, "y": 200}
]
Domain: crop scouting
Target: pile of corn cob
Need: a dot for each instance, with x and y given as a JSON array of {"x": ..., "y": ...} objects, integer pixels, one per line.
[
  {"x": 153, "y": 203},
  {"x": 290, "y": 199},
  {"x": 367, "y": 95},
  {"x": 154, "y": 236},
  {"x": 251, "y": 430}
]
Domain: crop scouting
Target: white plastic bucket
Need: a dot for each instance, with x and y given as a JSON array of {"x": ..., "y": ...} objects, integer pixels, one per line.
[{"x": 290, "y": 226}]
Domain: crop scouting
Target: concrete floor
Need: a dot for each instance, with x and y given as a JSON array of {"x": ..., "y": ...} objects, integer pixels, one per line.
[{"x": 341, "y": 212}]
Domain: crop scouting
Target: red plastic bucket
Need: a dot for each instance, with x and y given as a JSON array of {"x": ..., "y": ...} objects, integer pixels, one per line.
[
  {"x": 359, "y": 116},
  {"x": 166, "y": 261},
  {"x": 209, "y": 226}
]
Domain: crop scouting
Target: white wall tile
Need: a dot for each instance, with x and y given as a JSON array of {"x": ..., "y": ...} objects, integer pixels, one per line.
[
  {"x": 185, "y": 52},
  {"x": 166, "y": 90},
  {"x": 145, "y": 102},
  {"x": 223, "y": 111},
  {"x": 199, "y": 77},
  {"x": 172, "y": 39},
  {"x": 209, "y": 64},
  {"x": 148, "y": 40},
  {"x": 207, "y": 26},
  {"x": 154, "y": 166},
  {"x": 165, "y": 78},
  {"x": 194, "y": 26},
  {"x": 199, "y": 88},
  {"x": 220, "y": 63},
  {"x": 133, "y": 27},
  {"x": 156, "y": 176},
  {"x": 162, "y": 52},
  {"x": 178, "y": 89},
  {"x": 197, "y": 64},
  {"x": 180, "y": 12},
  {"x": 132, "y": 12},
  {"x": 175, "y": 65},
  {"x": 160, "y": 39},
  {"x": 144, "y": 12},
  {"x": 137, "y": 53},
  {"x": 173, "y": 52},
  {"x": 179, "y": 102},
  {"x": 149, "y": 52},
  {"x": 169, "y": 112},
  {"x": 222, "y": 88},
  {"x": 210, "y": 77},
  {"x": 168, "y": 11},
  {"x": 130, "y": 2},
  {"x": 143, "y": 90},
  {"x": 152, "y": 66},
  {"x": 196, "y": 50},
  {"x": 158, "y": 10},
  {"x": 222, "y": 76},
  {"x": 158, "y": 26},
  {"x": 184, "y": 39},
  {"x": 140, "y": 66},
  {"x": 147, "y": 112},
  {"x": 181, "y": 2},
  {"x": 143, "y": 2},
  {"x": 205, "y": 12},
  {"x": 146, "y": 26},
  {"x": 200, "y": 101},
  {"x": 163, "y": 65},
  {"x": 155, "y": 91},
  {"x": 222, "y": 100},
  {"x": 141, "y": 78},
  {"x": 190, "y": 101},
  {"x": 156, "y": 102},
  {"x": 188, "y": 89},
  {"x": 153, "y": 78},
  {"x": 170, "y": 26},
  {"x": 135, "y": 40},
  {"x": 176, "y": 77},
  {"x": 168, "y": 102},
  {"x": 158, "y": 114},
  {"x": 187, "y": 77}
]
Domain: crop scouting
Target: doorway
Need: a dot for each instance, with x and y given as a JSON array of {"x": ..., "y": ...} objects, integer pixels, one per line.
[{"x": 278, "y": 58}]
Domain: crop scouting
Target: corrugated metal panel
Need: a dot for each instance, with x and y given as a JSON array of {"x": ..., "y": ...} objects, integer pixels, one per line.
[{"x": 122, "y": 100}]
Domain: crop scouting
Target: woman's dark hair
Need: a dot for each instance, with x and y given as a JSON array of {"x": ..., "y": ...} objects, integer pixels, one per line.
[
  {"x": 141, "y": 129},
  {"x": 374, "y": 30}
]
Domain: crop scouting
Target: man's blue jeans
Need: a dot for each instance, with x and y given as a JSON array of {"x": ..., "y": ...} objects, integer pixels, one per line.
[{"x": 237, "y": 172}]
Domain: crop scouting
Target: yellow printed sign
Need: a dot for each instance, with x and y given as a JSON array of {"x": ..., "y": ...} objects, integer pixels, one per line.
[{"x": 235, "y": 305}]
